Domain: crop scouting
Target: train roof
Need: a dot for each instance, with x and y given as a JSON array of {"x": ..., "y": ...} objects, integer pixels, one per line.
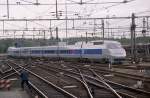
[{"x": 96, "y": 42}]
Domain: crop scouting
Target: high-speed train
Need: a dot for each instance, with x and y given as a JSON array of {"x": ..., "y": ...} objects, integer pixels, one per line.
[{"x": 106, "y": 50}]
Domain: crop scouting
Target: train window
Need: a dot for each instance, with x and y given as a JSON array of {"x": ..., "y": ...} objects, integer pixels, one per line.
[
  {"x": 16, "y": 51},
  {"x": 49, "y": 51},
  {"x": 98, "y": 43},
  {"x": 25, "y": 51},
  {"x": 70, "y": 51},
  {"x": 76, "y": 51},
  {"x": 64, "y": 51},
  {"x": 92, "y": 51},
  {"x": 36, "y": 51}
]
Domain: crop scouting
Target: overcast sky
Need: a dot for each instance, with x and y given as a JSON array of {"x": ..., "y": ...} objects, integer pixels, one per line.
[
  {"x": 74, "y": 10},
  {"x": 92, "y": 10}
]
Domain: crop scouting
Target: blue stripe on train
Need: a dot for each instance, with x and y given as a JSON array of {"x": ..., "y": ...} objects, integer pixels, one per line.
[
  {"x": 86, "y": 51},
  {"x": 77, "y": 51},
  {"x": 92, "y": 51}
]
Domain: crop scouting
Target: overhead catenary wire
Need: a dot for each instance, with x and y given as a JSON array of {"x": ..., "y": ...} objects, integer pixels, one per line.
[
  {"x": 44, "y": 26},
  {"x": 114, "y": 5},
  {"x": 90, "y": 3},
  {"x": 27, "y": 1},
  {"x": 46, "y": 19}
]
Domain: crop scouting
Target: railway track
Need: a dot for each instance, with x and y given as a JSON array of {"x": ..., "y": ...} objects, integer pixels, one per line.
[
  {"x": 5, "y": 69},
  {"x": 120, "y": 66},
  {"x": 127, "y": 93},
  {"x": 12, "y": 71},
  {"x": 133, "y": 91},
  {"x": 127, "y": 79},
  {"x": 121, "y": 74},
  {"x": 104, "y": 69},
  {"x": 81, "y": 79},
  {"x": 72, "y": 86},
  {"x": 44, "y": 87}
]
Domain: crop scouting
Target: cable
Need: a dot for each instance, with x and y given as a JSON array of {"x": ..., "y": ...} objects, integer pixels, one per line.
[
  {"x": 80, "y": 2},
  {"x": 31, "y": 3},
  {"x": 142, "y": 12},
  {"x": 89, "y": 1},
  {"x": 124, "y": 2},
  {"x": 117, "y": 4},
  {"x": 27, "y": 1},
  {"x": 14, "y": 25},
  {"x": 39, "y": 24},
  {"x": 93, "y": 9},
  {"x": 73, "y": 1},
  {"x": 86, "y": 2}
]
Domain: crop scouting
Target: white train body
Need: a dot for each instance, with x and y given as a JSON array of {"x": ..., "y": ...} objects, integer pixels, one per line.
[{"x": 110, "y": 50}]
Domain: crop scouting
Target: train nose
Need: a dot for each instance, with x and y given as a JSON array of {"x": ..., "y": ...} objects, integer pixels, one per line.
[{"x": 118, "y": 52}]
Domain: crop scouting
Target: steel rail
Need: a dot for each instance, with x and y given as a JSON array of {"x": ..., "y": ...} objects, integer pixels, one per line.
[
  {"x": 33, "y": 86},
  {"x": 86, "y": 85},
  {"x": 67, "y": 93},
  {"x": 101, "y": 86},
  {"x": 53, "y": 85},
  {"x": 6, "y": 70},
  {"x": 137, "y": 77},
  {"x": 105, "y": 83},
  {"x": 4, "y": 77},
  {"x": 130, "y": 88},
  {"x": 40, "y": 92},
  {"x": 126, "y": 87},
  {"x": 137, "y": 90},
  {"x": 82, "y": 81},
  {"x": 124, "y": 94}
]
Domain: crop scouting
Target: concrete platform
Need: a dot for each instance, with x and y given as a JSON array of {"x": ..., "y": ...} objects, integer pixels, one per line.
[{"x": 15, "y": 91}]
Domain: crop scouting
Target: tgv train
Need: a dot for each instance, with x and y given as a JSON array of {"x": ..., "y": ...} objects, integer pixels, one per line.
[{"x": 105, "y": 50}]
